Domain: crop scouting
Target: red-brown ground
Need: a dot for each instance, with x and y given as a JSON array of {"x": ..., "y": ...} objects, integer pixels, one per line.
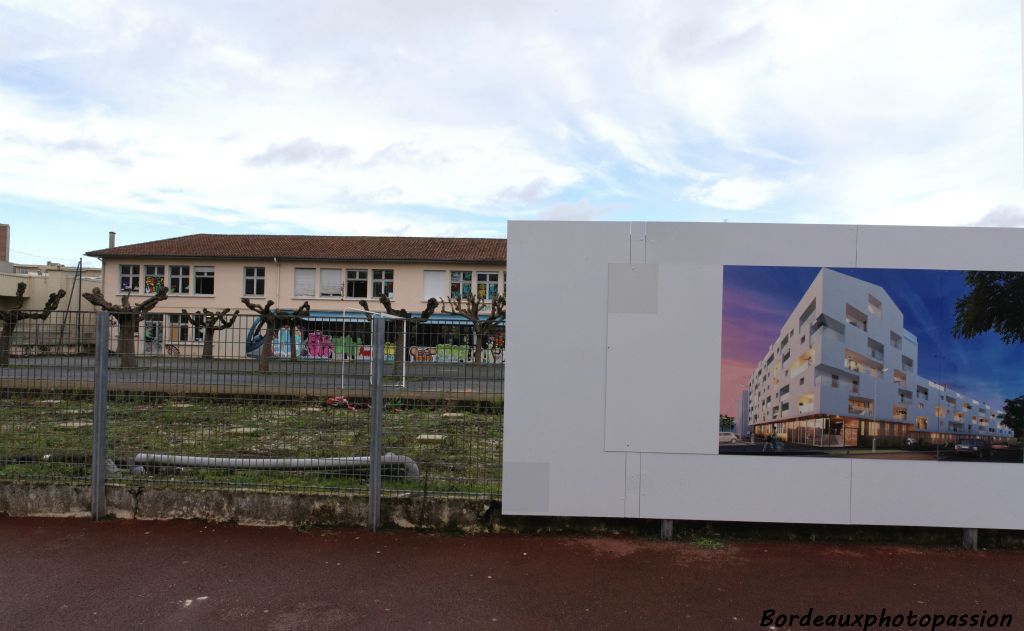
[{"x": 66, "y": 574}]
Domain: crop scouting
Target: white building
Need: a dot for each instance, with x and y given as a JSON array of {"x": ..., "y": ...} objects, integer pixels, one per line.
[
  {"x": 742, "y": 426},
  {"x": 843, "y": 372}
]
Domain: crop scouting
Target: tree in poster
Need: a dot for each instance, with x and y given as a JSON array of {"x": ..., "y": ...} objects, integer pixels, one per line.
[
  {"x": 1014, "y": 410},
  {"x": 994, "y": 303}
]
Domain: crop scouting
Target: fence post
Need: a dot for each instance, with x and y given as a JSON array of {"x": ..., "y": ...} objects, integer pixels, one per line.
[
  {"x": 377, "y": 417},
  {"x": 99, "y": 418}
]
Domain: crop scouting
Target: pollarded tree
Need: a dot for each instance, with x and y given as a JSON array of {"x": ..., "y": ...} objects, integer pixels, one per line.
[
  {"x": 275, "y": 319},
  {"x": 210, "y": 322},
  {"x": 11, "y": 318},
  {"x": 127, "y": 317},
  {"x": 485, "y": 317},
  {"x": 402, "y": 313}
]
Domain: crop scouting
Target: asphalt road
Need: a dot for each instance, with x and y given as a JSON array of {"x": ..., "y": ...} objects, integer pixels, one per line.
[{"x": 78, "y": 574}]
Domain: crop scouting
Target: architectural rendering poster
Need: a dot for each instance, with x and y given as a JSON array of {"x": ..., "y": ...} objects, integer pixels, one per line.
[{"x": 870, "y": 363}]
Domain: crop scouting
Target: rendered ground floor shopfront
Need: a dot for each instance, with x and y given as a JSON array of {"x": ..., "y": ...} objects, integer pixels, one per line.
[{"x": 839, "y": 431}]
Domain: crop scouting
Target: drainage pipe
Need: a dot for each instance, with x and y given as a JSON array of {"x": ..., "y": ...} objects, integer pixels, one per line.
[{"x": 412, "y": 470}]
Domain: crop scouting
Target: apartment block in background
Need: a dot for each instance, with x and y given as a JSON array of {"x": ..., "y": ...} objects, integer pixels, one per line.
[{"x": 843, "y": 373}]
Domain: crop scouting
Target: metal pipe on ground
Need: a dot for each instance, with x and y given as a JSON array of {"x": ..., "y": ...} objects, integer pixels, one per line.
[{"x": 412, "y": 470}]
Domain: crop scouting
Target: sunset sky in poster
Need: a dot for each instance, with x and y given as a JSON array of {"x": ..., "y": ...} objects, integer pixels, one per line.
[{"x": 757, "y": 300}]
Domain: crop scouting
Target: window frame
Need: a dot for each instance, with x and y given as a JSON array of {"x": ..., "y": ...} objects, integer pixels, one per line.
[
  {"x": 385, "y": 282},
  {"x": 257, "y": 276},
  {"x": 160, "y": 276},
  {"x": 465, "y": 284},
  {"x": 484, "y": 285},
  {"x": 134, "y": 272},
  {"x": 295, "y": 282},
  {"x": 349, "y": 280},
  {"x": 176, "y": 279},
  {"x": 204, "y": 272},
  {"x": 322, "y": 293}
]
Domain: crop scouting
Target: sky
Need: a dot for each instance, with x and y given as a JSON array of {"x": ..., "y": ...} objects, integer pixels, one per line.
[
  {"x": 156, "y": 119},
  {"x": 757, "y": 301}
]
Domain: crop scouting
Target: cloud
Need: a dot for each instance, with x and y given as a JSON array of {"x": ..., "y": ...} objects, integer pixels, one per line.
[
  {"x": 529, "y": 193},
  {"x": 301, "y": 151},
  {"x": 740, "y": 193},
  {"x": 1004, "y": 215},
  {"x": 572, "y": 211},
  {"x": 474, "y": 112}
]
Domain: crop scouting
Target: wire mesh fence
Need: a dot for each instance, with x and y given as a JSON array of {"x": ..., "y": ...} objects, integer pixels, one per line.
[
  {"x": 46, "y": 403},
  {"x": 283, "y": 405}
]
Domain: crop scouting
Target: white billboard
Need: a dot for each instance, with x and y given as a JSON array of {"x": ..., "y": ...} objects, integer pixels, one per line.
[{"x": 786, "y": 373}]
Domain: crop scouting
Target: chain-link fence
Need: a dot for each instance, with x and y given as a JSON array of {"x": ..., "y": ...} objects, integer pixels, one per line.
[{"x": 250, "y": 402}]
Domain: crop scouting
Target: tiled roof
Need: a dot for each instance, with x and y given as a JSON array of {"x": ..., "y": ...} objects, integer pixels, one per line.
[{"x": 260, "y": 246}]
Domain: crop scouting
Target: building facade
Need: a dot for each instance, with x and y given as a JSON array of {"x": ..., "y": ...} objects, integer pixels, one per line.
[
  {"x": 332, "y": 273},
  {"x": 843, "y": 373}
]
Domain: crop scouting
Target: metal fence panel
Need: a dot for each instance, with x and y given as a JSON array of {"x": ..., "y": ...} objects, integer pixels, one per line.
[
  {"x": 46, "y": 404},
  {"x": 303, "y": 423}
]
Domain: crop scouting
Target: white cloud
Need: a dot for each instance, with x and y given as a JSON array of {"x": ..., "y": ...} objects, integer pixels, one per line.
[
  {"x": 431, "y": 117},
  {"x": 740, "y": 193},
  {"x": 1004, "y": 216}
]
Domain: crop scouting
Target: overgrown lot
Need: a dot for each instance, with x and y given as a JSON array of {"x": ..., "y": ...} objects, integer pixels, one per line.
[{"x": 457, "y": 446}]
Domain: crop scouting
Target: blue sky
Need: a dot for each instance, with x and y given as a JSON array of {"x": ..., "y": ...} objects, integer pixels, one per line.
[
  {"x": 759, "y": 299},
  {"x": 156, "y": 119}
]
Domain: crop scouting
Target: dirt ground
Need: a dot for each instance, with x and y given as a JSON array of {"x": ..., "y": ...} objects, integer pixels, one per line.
[{"x": 75, "y": 573}]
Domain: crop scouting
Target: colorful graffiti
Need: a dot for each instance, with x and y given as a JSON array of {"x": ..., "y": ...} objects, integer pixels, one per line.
[
  {"x": 455, "y": 354},
  {"x": 322, "y": 346}
]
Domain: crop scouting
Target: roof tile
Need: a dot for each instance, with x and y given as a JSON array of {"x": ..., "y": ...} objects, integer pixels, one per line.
[{"x": 259, "y": 246}]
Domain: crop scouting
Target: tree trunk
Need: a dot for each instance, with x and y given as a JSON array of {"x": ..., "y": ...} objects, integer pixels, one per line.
[
  {"x": 126, "y": 342},
  {"x": 479, "y": 347},
  {"x": 208, "y": 343},
  {"x": 267, "y": 347},
  {"x": 399, "y": 354},
  {"x": 291, "y": 341},
  {"x": 6, "y": 335}
]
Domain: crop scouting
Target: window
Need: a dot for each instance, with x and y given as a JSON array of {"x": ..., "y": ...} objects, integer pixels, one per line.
[
  {"x": 305, "y": 282},
  {"x": 330, "y": 283},
  {"x": 129, "y": 278},
  {"x": 383, "y": 283},
  {"x": 433, "y": 284},
  {"x": 179, "y": 279},
  {"x": 177, "y": 328},
  {"x": 204, "y": 281},
  {"x": 255, "y": 279},
  {"x": 356, "y": 281},
  {"x": 487, "y": 285},
  {"x": 835, "y": 381},
  {"x": 462, "y": 285},
  {"x": 504, "y": 284},
  {"x": 155, "y": 279}
]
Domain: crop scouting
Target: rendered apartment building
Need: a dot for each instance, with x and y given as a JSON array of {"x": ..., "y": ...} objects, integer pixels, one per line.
[
  {"x": 843, "y": 373},
  {"x": 332, "y": 273}
]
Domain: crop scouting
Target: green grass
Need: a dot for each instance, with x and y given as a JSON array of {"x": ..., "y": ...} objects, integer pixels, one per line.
[{"x": 53, "y": 440}]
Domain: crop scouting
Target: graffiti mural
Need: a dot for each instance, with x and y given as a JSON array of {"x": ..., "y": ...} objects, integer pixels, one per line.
[{"x": 455, "y": 354}]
